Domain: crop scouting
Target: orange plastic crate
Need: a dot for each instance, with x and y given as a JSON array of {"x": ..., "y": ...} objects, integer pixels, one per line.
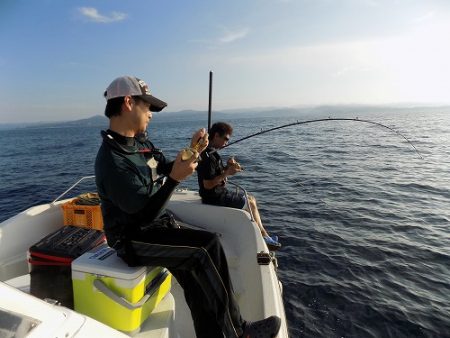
[{"x": 86, "y": 216}]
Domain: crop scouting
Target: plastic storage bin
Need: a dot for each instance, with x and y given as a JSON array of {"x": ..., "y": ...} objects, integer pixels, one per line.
[
  {"x": 50, "y": 260},
  {"x": 87, "y": 216}
]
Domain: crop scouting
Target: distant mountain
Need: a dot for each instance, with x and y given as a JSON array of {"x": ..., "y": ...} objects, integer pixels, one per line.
[
  {"x": 97, "y": 120},
  {"x": 227, "y": 114},
  {"x": 181, "y": 115},
  {"x": 349, "y": 110},
  {"x": 344, "y": 110}
]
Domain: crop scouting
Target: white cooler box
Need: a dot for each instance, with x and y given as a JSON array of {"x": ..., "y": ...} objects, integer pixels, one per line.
[{"x": 108, "y": 290}]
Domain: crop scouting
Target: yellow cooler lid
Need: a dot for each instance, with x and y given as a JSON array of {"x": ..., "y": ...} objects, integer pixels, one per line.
[{"x": 104, "y": 261}]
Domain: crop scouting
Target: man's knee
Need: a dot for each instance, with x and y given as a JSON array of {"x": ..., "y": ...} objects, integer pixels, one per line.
[{"x": 213, "y": 242}]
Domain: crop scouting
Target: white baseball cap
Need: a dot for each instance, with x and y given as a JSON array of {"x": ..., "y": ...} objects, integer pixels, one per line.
[{"x": 132, "y": 86}]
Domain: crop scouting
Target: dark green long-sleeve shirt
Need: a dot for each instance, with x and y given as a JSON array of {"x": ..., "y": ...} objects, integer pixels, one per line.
[{"x": 125, "y": 171}]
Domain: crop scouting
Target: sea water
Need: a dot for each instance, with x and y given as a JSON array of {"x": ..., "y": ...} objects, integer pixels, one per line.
[{"x": 364, "y": 220}]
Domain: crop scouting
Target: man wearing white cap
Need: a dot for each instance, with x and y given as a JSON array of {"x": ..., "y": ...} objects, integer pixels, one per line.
[{"x": 128, "y": 169}]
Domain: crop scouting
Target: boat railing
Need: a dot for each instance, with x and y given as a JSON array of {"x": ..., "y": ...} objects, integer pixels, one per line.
[
  {"x": 93, "y": 176},
  {"x": 73, "y": 186},
  {"x": 246, "y": 197}
]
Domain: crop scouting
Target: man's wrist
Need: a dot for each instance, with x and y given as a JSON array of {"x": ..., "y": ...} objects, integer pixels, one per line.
[
  {"x": 173, "y": 181},
  {"x": 219, "y": 179}
]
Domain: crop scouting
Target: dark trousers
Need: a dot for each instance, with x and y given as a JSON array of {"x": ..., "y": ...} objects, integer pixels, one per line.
[{"x": 197, "y": 260}]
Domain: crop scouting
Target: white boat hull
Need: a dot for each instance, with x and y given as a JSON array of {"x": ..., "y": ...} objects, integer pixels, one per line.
[{"x": 257, "y": 287}]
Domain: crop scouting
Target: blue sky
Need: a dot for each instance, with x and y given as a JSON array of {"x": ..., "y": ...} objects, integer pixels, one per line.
[{"x": 57, "y": 57}]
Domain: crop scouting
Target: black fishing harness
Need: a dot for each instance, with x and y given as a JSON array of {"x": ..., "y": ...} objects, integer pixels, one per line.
[{"x": 142, "y": 138}]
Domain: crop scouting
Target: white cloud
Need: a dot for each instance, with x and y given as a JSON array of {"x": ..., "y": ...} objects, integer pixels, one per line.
[
  {"x": 232, "y": 36},
  {"x": 227, "y": 37},
  {"x": 93, "y": 15},
  {"x": 428, "y": 16},
  {"x": 351, "y": 69}
]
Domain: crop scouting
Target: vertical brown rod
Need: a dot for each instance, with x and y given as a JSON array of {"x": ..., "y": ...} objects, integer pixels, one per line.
[{"x": 210, "y": 99}]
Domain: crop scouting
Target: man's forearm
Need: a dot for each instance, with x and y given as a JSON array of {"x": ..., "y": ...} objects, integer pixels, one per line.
[
  {"x": 211, "y": 184},
  {"x": 158, "y": 200}
]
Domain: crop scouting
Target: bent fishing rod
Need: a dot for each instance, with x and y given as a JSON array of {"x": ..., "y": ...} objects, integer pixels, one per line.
[
  {"x": 320, "y": 120},
  {"x": 298, "y": 123}
]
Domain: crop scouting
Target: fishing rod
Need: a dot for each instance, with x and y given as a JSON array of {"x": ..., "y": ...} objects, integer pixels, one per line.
[
  {"x": 210, "y": 100},
  {"x": 315, "y": 121},
  {"x": 296, "y": 124}
]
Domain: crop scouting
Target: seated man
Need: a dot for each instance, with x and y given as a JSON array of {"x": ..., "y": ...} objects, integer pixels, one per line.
[
  {"x": 212, "y": 178},
  {"x": 133, "y": 199}
]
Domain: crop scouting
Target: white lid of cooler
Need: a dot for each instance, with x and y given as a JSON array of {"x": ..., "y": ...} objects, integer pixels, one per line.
[{"x": 104, "y": 261}]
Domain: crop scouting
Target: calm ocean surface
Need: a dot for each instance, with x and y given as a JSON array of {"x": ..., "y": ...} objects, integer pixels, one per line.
[{"x": 364, "y": 221}]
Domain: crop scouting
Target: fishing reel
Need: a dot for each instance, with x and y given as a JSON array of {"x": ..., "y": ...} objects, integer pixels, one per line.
[
  {"x": 235, "y": 164},
  {"x": 187, "y": 153}
]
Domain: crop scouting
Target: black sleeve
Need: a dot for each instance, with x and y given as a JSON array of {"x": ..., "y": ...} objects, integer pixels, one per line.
[
  {"x": 164, "y": 168},
  {"x": 157, "y": 201},
  {"x": 207, "y": 167}
]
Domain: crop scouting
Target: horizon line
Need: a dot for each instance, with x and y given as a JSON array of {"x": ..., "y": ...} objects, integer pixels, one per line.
[{"x": 265, "y": 109}]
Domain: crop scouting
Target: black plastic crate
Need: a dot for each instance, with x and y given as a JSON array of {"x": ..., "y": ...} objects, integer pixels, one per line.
[{"x": 51, "y": 258}]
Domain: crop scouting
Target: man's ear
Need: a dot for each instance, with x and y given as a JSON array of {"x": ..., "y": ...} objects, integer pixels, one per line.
[{"x": 127, "y": 103}]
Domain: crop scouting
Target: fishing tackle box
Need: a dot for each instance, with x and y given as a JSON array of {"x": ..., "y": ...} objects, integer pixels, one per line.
[
  {"x": 50, "y": 261},
  {"x": 107, "y": 289}
]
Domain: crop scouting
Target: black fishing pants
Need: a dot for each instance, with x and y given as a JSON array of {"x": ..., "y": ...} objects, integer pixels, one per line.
[{"x": 197, "y": 260}]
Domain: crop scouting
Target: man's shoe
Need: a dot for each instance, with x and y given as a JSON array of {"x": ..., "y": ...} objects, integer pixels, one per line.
[
  {"x": 266, "y": 328},
  {"x": 272, "y": 243}
]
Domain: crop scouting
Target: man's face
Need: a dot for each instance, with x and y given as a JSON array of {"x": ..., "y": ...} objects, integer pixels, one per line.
[
  {"x": 141, "y": 115},
  {"x": 220, "y": 140}
]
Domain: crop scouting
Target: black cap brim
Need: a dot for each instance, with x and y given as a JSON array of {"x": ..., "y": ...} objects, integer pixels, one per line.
[{"x": 156, "y": 105}]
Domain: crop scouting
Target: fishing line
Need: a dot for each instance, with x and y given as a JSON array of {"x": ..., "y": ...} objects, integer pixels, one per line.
[{"x": 315, "y": 121}]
